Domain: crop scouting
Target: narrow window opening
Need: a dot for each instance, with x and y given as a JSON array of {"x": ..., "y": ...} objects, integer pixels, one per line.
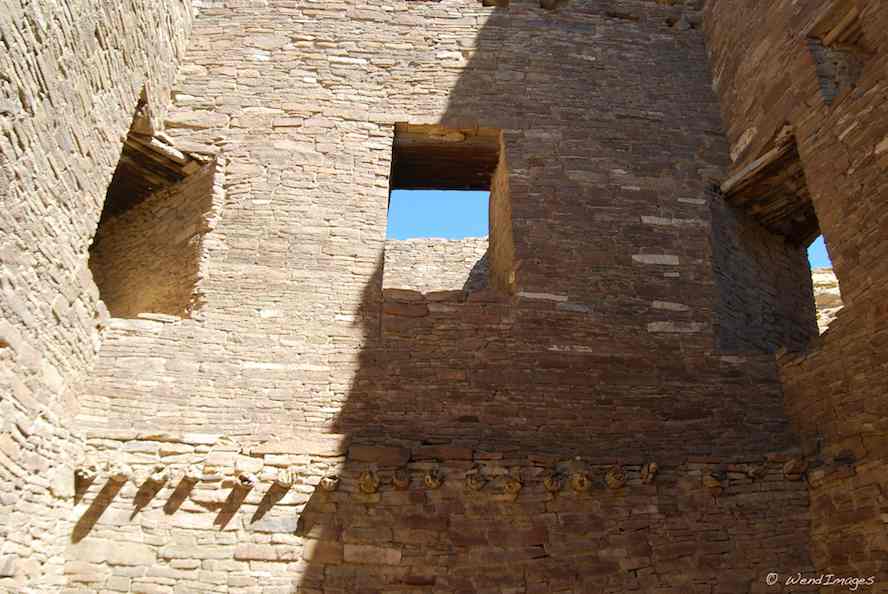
[
  {"x": 145, "y": 253},
  {"x": 836, "y": 42},
  {"x": 449, "y": 222},
  {"x": 827, "y": 295}
]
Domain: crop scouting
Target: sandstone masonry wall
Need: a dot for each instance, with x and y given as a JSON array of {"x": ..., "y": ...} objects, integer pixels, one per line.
[
  {"x": 597, "y": 418},
  {"x": 146, "y": 259},
  {"x": 597, "y": 341},
  {"x": 72, "y": 72},
  {"x": 493, "y": 523},
  {"x": 766, "y": 295},
  {"x": 827, "y": 296},
  {"x": 835, "y": 392},
  {"x": 436, "y": 264}
]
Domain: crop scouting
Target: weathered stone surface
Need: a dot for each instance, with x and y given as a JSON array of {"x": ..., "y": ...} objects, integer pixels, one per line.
[
  {"x": 839, "y": 132},
  {"x": 370, "y": 554},
  {"x": 623, "y": 311},
  {"x": 7, "y": 565},
  {"x": 433, "y": 265},
  {"x": 72, "y": 76},
  {"x": 257, "y": 552},
  {"x": 322, "y": 552},
  {"x": 827, "y": 296},
  {"x": 196, "y": 119},
  {"x": 322, "y": 445},
  {"x": 384, "y": 456},
  {"x": 93, "y": 550}
]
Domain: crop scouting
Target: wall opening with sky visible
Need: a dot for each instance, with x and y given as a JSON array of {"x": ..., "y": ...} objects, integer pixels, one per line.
[{"x": 448, "y": 206}]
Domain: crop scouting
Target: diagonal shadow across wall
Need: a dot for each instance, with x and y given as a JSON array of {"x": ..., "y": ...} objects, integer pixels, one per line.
[{"x": 462, "y": 407}]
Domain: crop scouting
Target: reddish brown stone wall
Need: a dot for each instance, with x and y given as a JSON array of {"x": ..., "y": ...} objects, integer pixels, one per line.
[
  {"x": 766, "y": 299},
  {"x": 836, "y": 393}
]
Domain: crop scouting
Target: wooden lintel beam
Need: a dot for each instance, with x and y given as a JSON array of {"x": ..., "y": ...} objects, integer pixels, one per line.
[
  {"x": 749, "y": 173},
  {"x": 153, "y": 144},
  {"x": 849, "y": 18}
]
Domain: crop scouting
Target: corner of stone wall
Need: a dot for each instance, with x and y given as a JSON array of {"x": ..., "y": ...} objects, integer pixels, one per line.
[{"x": 501, "y": 253}]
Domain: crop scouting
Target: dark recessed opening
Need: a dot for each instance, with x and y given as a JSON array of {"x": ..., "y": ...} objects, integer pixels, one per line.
[
  {"x": 144, "y": 256},
  {"x": 762, "y": 229},
  {"x": 837, "y": 44},
  {"x": 773, "y": 191},
  {"x": 437, "y": 158}
]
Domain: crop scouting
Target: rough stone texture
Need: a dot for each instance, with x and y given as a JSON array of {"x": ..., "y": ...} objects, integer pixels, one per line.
[
  {"x": 595, "y": 338},
  {"x": 146, "y": 259},
  {"x": 837, "y": 392},
  {"x": 764, "y": 284},
  {"x": 210, "y": 535},
  {"x": 827, "y": 296},
  {"x": 432, "y": 264},
  {"x": 490, "y": 416},
  {"x": 71, "y": 73}
]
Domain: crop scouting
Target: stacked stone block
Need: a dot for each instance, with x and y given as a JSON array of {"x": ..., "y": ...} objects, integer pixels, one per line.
[
  {"x": 71, "y": 74},
  {"x": 595, "y": 340}
]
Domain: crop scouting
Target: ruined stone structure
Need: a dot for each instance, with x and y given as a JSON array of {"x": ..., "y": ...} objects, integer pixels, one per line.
[
  {"x": 218, "y": 376},
  {"x": 827, "y": 296}
]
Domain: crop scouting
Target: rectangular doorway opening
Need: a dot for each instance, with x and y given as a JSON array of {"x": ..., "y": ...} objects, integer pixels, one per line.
[{"x": 763, "y": 226}]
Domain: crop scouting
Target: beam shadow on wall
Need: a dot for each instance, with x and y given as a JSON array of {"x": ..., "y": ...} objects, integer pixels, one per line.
[{"x": 94, "y": 512}]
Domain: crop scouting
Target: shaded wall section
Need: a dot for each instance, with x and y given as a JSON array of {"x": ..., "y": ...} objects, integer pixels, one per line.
[
  {"x": 766, "y": 299},
  {"x": 146, "y": 259},
  {"x": 767, "y": 76}
]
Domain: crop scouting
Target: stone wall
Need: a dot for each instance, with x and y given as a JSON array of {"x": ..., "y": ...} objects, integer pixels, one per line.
[
  {"x": 766, "y": 296},
  {"x": 72, "y": 74},
  {"x": 328, "y": 419},
  {"x": 501, "y": 252},
  {"x": 432, "y": 264},
  {"x": 146, "y": 259},
  {"x": 597, "y": 339},
  {"x": 206, "y": 513},
  {"x": 768, "y": 77}
]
